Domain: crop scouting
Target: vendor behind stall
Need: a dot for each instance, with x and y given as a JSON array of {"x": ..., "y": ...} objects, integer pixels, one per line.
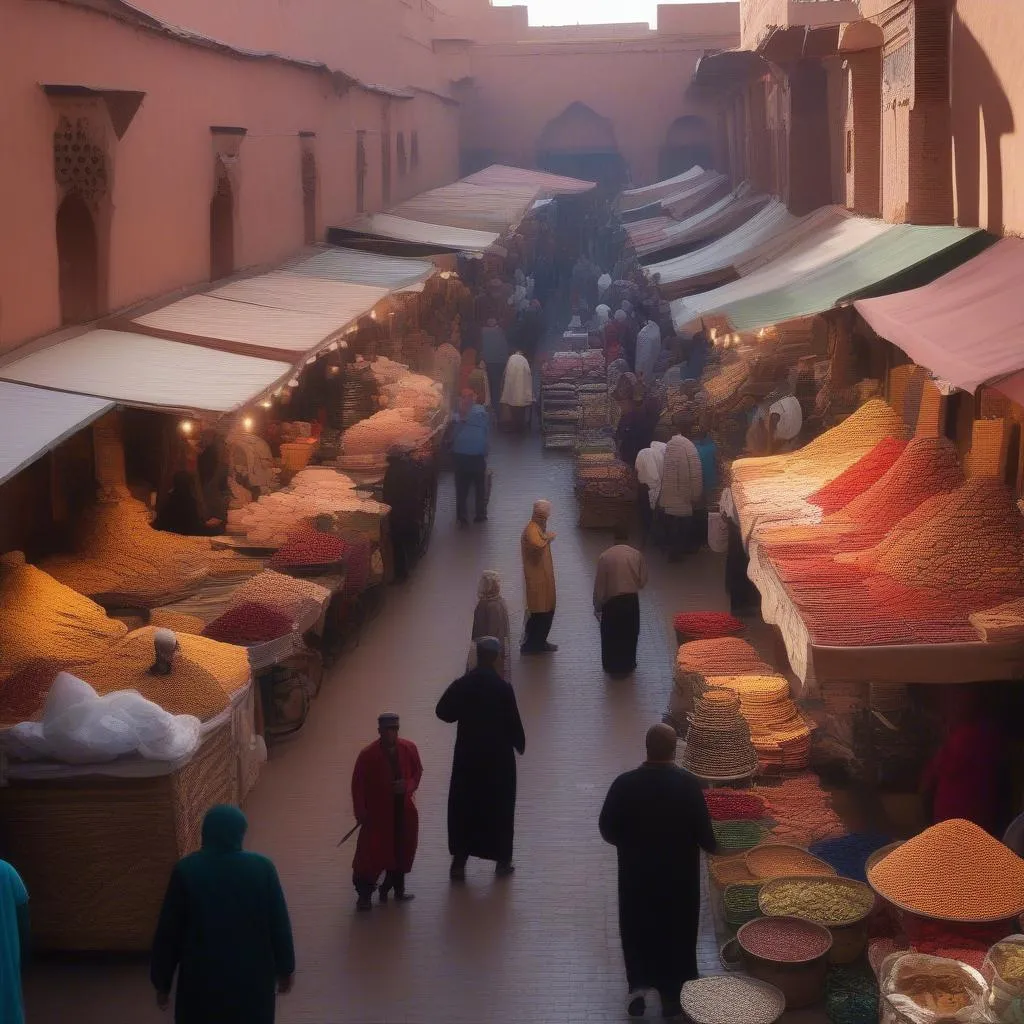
[
  {"x": 181, "y": 510},
  {"x": 214, "y": 473},
  {"x": 968, "y": 777}
]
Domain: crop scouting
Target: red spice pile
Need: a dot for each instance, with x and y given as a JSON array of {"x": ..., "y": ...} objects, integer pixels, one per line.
[
  {"x": 707, "y": 625},
  {"x": 307, "y": 547},
  {"x": 23, "y": 695},
  {"x": 733, "y": 804},
  {"x": 248, "y": 623},
  {"x": 357, "y": 567},
  {"x": 865, "y": 472}
]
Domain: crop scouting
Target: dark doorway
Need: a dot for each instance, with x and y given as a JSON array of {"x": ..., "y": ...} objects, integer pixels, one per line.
[
  {"x": 308, "y": 198},
  {"x": 222, "y": 228},
  {"x": 581, "y": 144},
  {"x": 360, "y": 172},
  {"x": 687, "y": 144},
  {"x": 78, "y": 261}
]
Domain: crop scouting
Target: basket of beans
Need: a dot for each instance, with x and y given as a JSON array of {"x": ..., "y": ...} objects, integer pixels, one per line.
[
  {"x": 790, "y": 953},
  {"x": 310, "y": 552}
]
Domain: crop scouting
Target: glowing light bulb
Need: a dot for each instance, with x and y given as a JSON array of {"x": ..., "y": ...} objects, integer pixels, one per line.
[
  {"x": 185, "y": 426},
  {"x": 247, "y": 423}
]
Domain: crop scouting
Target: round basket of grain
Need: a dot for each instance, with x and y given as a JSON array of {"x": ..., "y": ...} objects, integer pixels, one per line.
[
  {"x": 953, "y": 871},
  {"x": 725, "y": 999},
  {"x": 783, "y": 860},
  {"x": 790, "y": 953},
  {"x": 840, "y": 904},
  {"x": 730, "y": 869},
  {"x": 741, "y": 904}
]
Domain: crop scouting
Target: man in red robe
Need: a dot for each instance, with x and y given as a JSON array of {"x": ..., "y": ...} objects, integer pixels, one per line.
[{"x": 384, "y": 780}]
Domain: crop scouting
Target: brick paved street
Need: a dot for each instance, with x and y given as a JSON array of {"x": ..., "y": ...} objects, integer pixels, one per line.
[{"x": 541, "y": 946}]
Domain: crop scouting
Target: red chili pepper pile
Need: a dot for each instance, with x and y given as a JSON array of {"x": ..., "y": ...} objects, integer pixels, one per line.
[
  {"x": 248, "y": 623},
  {"x": 23, "y": 694},
  {"x": 307, "y": 546},
  {"x": 866, "y": 471},
  {"x": 357, "y": 567},
  {"x": 731, "y": 804},
  {"x": 784, "y": 940},
  {"x": 707, "y": 625}
]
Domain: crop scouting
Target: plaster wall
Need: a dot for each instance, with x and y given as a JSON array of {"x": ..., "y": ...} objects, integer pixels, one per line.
[{"x": 162, "y": 171}]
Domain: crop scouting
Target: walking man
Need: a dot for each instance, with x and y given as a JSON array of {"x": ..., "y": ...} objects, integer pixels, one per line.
[
  {"x": 482, "y": 793},
  {"x": 539, "y": 573},
  {"x": 223, "y": 930},
  {"x": 470, "y": 442},
  {"x": 621, "y": 575},
  {"x": 384, "y": 781},
  {"x": 656, "y": 818}
]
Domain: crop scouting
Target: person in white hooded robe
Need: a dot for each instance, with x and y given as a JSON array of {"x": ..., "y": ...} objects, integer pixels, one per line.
[
  {"x": 517, "y": 391},
  {"x": 648, "y": 349}
]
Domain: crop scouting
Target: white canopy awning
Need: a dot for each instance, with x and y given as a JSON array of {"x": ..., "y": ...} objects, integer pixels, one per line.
[
  {"x": 354, "y": 267},
  {"x": 35, "y": 420},
  {"x": 135, "y": 369},
  {"x": 401, "y": 229}
]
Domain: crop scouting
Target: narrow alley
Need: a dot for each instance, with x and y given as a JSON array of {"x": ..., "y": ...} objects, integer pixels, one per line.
[{"x": 540, "y": 946}]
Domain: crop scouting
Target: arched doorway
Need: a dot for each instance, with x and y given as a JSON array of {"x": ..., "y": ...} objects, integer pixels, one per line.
[
  {"x": 581, "y": 143},
  {"x": 688, "y": 143},
  {"x": 78, "y": 261},
  {"x": 222, "y": 226},
  {"x": 308, "y": 197}
]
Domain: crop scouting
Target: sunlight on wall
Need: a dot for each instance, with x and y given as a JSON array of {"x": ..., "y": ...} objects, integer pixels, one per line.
[{"x": 586, "y": 12}]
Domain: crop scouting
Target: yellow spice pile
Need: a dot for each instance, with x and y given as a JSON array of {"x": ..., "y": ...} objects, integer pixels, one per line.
[{"x": 42, "y": 620}]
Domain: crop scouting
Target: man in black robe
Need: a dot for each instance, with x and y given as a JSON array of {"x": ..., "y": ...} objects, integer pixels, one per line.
[
  {"x": 482, "y": 794},
  {"x": 656, "y": 818}
]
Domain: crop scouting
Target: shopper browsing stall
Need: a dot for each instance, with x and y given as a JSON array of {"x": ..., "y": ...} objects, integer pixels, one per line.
[
  {"x": 539, "y": 575},
  {"x": 470, "y": 444}
]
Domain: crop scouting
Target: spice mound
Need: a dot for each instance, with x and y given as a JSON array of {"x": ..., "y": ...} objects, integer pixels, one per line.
[
  {"x": 707, "y": 625},
  {"x": 789, "y": 940},
  {"x": 307, "y": 547},
  {"x": 204, "y": 676},
  {"x": 729, "y": 1000},
  {"x": 780, "y": 861},
  {"x": 944, "y": 994},
  {"x": 954, "y": 871},
  {"x": 248, "y": 623},
  {"x": 831, "y": 902}
]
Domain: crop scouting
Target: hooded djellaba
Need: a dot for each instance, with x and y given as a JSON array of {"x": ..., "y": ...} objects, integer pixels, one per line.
[{"x": 223, "y": 931}]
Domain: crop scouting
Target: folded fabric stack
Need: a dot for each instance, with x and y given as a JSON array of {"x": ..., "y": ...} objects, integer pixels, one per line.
[
  {"x": 562, "y": 366},
  {"x": 718, "y": 743},
  {"x": 778, "y": 731}
]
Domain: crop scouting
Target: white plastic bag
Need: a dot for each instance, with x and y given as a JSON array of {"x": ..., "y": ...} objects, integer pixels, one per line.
[
  {"x": 718, "y": 532},
  {"x": 81, "y": 727},
  {"x": 896, "y": 980},
  {"x": 1005, "y": 999}
]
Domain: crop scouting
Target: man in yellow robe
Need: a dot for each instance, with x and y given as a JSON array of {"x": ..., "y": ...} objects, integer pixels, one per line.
[{"x": 539, "y": 573}]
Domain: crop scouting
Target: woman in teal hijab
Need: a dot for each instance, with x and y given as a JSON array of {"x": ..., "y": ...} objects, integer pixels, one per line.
[{"x": 224, "y": 930}]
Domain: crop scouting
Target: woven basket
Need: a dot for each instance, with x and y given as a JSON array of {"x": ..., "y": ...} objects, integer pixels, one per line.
[
  {"x": 96, "y": 853},
  {"x": 741, "y": 903}
]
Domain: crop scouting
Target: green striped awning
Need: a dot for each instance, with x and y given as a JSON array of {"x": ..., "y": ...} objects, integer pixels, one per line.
[{"x": 907, "y": 256}]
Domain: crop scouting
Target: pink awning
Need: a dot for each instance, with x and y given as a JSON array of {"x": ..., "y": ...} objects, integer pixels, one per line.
[{"x": 967, "y": 326}]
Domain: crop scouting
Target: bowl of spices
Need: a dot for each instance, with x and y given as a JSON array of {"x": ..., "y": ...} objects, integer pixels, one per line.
[
  {"x": 790, "y": 953},
  {"x": 840, "y": 904}
]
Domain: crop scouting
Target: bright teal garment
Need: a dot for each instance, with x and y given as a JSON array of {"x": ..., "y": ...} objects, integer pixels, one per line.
[
  {"x": 13, "y": 895},
  {"x": 708, "y": 452}
]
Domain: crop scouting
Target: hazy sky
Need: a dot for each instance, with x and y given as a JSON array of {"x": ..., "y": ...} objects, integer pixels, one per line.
[{"x": 587, "y": 12}]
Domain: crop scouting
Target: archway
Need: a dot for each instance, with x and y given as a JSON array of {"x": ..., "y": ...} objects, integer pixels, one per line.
[
  {"x": 78, "y": 261},
  {"x": 581, "y": 143},
  {"x": 688, "y": 143},
  {"x": 222, "y": 226}
]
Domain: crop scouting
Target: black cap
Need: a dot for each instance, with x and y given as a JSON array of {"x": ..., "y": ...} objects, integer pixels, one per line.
[{"x": 388, "y": 720}]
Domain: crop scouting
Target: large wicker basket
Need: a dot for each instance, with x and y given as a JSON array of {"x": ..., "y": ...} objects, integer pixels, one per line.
[{"x": 96, "y": 852}]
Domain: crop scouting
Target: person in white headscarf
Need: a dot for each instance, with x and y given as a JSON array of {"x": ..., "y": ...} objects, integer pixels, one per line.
[
  {"x": 648, "y": 350},
  {"x": 604, "y": 282},
  {"x": 682, "y": 484},
  {"x": 517, "y": 390},
  {"x": 490, "y": 618},
  {"x": 539, "y": 578},
  {"x": 602, "y": 314}
]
